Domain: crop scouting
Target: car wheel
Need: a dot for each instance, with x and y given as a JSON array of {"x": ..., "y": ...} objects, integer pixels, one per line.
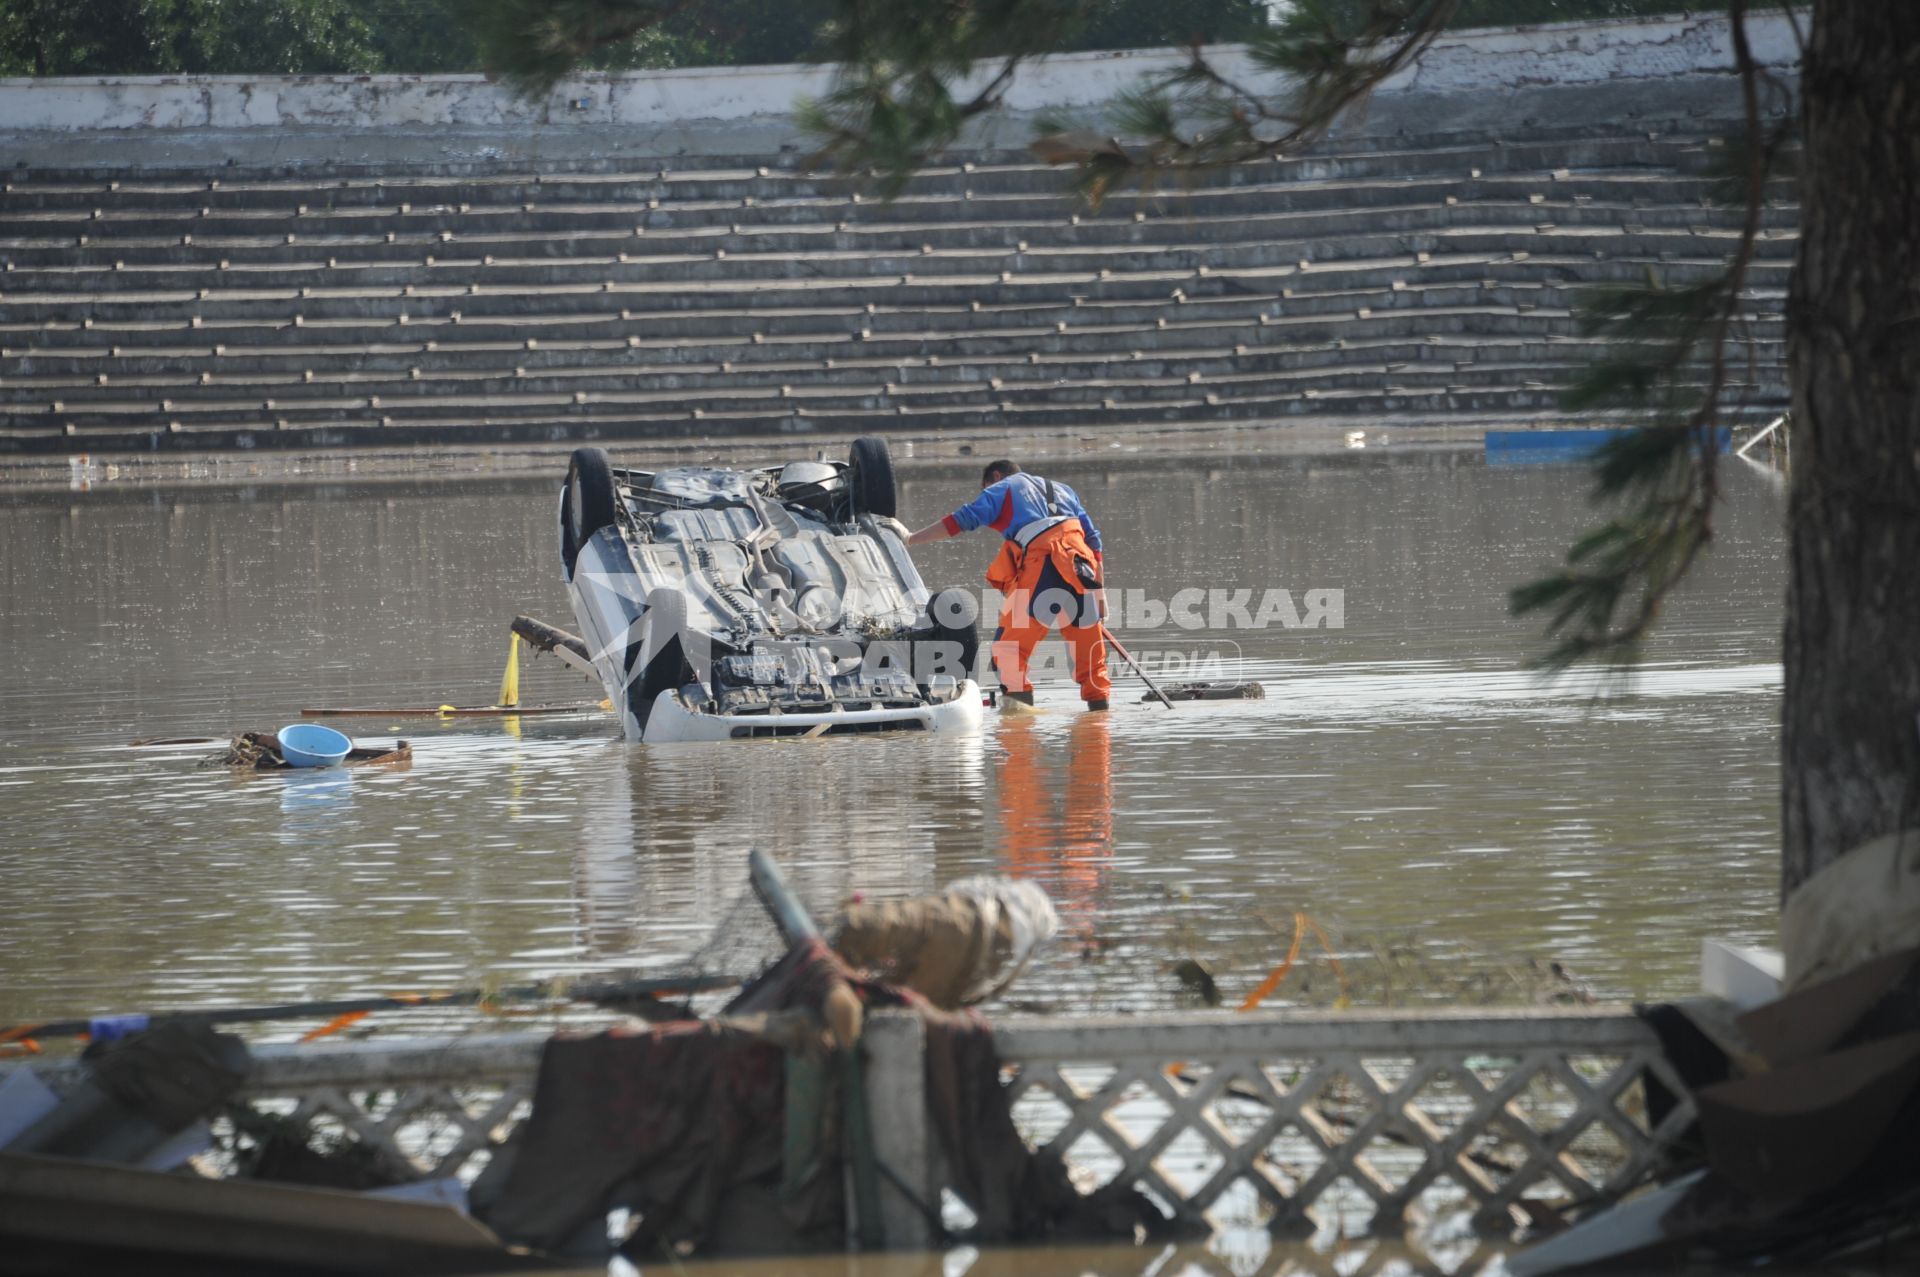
[
  {"x": 589, "y": 503},
  {"x": 871, "y": 477}
]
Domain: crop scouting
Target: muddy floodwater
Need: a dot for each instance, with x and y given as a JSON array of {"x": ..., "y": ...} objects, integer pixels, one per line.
[{"x": 1455, "y": 825}]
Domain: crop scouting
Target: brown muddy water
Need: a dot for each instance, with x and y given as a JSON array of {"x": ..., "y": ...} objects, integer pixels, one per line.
[{"x": 1455, "y": 824}]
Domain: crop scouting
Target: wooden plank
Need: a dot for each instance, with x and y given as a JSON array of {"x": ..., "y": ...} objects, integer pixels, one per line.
[{"x": 449, "y": 711}]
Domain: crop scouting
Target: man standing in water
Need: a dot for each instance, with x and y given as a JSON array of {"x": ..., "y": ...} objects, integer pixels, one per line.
[{"x": 1049, "y": 569}]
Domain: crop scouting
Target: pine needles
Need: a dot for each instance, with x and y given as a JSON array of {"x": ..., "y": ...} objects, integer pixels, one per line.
[
  {"x": 532, "y": 44},
  {"x": 905, "y": 84},
  {"x": 1330, "y": 55},
  {"x": 1663, "y": 477}
]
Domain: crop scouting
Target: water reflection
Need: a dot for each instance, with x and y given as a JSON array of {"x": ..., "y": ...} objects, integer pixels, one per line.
[
  {"x": 313, "y": 804},
  {"x": 665, "y": 831},
  {"x": 1056, "y": 811}
]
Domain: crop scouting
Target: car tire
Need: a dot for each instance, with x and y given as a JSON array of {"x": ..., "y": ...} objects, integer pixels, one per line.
[
  {"x": 590, "y": 503},
  {"x": 870, "y": 468}
]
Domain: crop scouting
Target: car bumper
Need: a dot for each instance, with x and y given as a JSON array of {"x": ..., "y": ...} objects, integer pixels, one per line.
[{"x": 671, "y": 721}]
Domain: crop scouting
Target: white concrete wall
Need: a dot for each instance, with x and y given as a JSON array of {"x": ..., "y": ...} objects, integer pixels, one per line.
[{"x": 1567, "y": 54}]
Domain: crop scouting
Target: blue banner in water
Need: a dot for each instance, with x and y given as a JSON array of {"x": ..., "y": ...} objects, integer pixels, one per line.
[{"x": 1561, "y": 447}]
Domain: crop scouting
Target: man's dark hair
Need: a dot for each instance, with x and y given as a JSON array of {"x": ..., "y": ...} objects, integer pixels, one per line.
[{"x": 1002, "y": 468}]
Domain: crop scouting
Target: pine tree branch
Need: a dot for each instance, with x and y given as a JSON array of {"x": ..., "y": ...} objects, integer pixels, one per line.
[
  {"x": 1200, "y": 69},
  {"x": 989, "y": 97},
  {"x": 1670, "y": 468},
  {"x": 533, "y": 44},
  {"x": 893, "y": 106},
  {"x": 1334, "y": 60}
]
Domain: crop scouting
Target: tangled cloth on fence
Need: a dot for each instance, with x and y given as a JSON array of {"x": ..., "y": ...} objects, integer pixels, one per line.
[
  {"x": 965, "y": 945},
  {"x": 670, "y": 1123},
  {"x": 1017, "y": 1195},
  {"x": 686, "y": 1125}
]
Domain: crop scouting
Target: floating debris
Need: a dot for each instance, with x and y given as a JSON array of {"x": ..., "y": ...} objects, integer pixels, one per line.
[
  {"x": 260, "y": 751},
  {"x": 1212, "y": 692},
  {"x": 1198, "y": 978}
]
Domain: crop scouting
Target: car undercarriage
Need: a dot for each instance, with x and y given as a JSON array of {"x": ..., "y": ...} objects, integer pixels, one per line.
[{"x": 726, "y": 603}]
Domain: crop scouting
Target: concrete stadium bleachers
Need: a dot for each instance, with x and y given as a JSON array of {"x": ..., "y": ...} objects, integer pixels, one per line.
[{"x": 1396, "y": 282}]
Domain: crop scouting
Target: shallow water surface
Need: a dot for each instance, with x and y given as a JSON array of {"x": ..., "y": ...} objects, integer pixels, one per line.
[{"x": 1455, "y": 824}]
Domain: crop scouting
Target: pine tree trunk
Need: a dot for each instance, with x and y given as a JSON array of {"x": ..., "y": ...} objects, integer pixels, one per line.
[{"x": 1850, "y": 742}]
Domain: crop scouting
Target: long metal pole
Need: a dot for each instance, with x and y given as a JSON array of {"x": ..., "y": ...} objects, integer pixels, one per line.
[
  {"x": 770, "y": 884},
  {"x": 796, "y": 926},
  {"x": 1135, "y": 665},
  {"x": 622, "y": 989}
]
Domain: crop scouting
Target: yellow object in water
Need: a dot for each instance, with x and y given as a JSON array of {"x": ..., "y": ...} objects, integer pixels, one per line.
[{"x": 510, "y": 681}]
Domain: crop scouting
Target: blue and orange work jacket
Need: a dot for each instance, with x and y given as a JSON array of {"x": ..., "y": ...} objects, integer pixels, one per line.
[
  {"x": 1031, "y": 512},
  {"x": 1017, "y": 508}
]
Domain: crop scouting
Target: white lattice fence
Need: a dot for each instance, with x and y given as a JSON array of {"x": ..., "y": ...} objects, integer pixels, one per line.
[
  {"x": 1354, "y": 1121},
  {"x": 414, "y": 1108},
  {"x": 1360, "y": 1120}
]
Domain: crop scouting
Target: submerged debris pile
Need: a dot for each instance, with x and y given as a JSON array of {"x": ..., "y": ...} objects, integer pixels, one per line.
[{"x": 260, "y": 751}]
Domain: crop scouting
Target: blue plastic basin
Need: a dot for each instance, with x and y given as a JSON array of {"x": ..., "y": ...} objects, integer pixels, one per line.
[{"x": 311, "y": 745}]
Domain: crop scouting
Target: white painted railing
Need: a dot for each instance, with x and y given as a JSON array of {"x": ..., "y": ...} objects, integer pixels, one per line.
[
  {"x": 432, "y": 1110},
  {"x": 1362, "y": 1121},
  {"x": 1388, "y": 1120},
  {"x": 418, "y": 1108}
]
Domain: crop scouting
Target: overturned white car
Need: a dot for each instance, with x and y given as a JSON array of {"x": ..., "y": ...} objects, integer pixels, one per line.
[{"x": 718, "y": 604}]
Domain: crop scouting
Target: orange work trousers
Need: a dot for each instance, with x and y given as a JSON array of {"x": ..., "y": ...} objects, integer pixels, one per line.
[{"x": 1041, "y": 585}]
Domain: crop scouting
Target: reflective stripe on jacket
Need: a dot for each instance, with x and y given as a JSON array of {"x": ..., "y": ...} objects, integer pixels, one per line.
[{"x": 1017, "y": 569}]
